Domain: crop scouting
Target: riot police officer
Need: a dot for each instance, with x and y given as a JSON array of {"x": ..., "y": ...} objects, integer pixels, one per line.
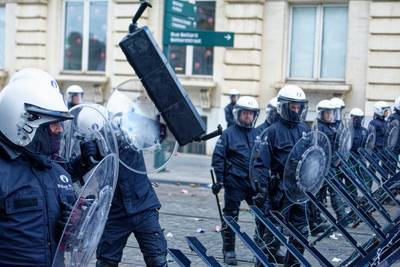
[
  {"x": 36, "y": 194},
  {"x": 339, "y": 110},
  {"x": 271, "y": 115},
  {"x": 74, "y": 95},
  {"x": 233, "y": 96},
  {"x": 359, "y": 140},
  {"x": 396, "y": 116},
  {"x": 135, "y": 205},
  {"x": 360, "y": 133},
  {"x": 230, "y": 161},
  {"x": 134, "y": 210},
  {"x": 326, "y": 123},
  {"x": 381, "y": 111},
  {"x": 281, "y": 137}
]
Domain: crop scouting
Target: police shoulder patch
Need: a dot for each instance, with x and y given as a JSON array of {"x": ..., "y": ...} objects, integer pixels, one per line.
[{"x": 64, "y": 178}]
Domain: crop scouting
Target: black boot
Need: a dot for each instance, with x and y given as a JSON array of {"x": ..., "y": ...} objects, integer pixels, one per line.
[
  {"x": 228, "y": 248},
  {"x": 230, "y": 258},
  {"x": 156, "y": 261}
]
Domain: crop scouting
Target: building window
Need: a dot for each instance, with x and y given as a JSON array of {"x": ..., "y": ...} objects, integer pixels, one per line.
[
  {"x": 318, "y": 42},
  {"x": 85, "y": 35},
  {"x": 2, "y": 36},
  {"x": 196, "y": 60}
]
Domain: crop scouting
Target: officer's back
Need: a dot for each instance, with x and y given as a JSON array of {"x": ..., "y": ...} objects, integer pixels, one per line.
[{"x": 134, "y": 188}]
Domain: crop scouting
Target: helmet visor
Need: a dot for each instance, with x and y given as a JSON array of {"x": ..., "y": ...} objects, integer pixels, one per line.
[
  {"x": 327, "y": 115},
  {"x": 246, "y": 117},
  {"x": 293, "y": 111},
  {"x": 357, "y": 121}
]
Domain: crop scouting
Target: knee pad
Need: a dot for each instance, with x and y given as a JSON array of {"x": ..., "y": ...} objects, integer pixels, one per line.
[
  {"x": 103, "y": 263},
  {"x": 156, "y": 261}
]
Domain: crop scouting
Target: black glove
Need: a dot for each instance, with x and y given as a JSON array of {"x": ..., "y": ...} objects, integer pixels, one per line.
[
  {"x": 65, "y": 214},
  {"x": 90, "y": 152},
  {"x": 216, "y": 188},
  {"x": 87, "y": 202},
  {"x": 262, "y": 202}
]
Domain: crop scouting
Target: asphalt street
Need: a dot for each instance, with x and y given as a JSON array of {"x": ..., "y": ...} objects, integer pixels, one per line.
[{"x": 189, "y": 209}]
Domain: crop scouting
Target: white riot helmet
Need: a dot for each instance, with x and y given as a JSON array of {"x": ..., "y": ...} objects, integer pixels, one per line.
[
  {"x": 292, "y": 103},
  {"x": 325, "y": 111},
  {"x": 357, "y": 117},
  {"x": 91, "y": 118},
  {"x": 339, "y": 108},
  {"x": 234, "y": 95},
  {"x": 246, "y": 103},
  {"x": 271, "y": 111},
  {"x": 234, "y": 92},
  {"x": 74, "y": 95},
  {"x": 90, "y": 124},
  {"x": 397, "y": 104},
  {"x": 31, "y": 73},
  {"x": 27, "y": 103},
  {"x": 381, "y": 109}
]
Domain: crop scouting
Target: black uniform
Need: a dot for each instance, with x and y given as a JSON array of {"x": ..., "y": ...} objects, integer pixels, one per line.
[
  {"x": 230, "y": 120},
  {"x": 393, "y": 117},
  {"x": 34, "y": 194},
  {"x": 231, "y": 165},
  {"x": 281, "y": 137}
]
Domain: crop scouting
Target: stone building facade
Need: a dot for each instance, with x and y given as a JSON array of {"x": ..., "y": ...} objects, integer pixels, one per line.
[{"x": 344, "y": 48}]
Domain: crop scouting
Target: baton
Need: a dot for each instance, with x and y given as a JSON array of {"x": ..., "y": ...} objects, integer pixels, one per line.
[{"x": 216, "y": 197}]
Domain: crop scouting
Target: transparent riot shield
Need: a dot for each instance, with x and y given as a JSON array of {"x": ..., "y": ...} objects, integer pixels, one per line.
[
  {"x": 90, "y": 123},
  {"x": 306, "y": 166},
  {"x": 392, "y": 135},
  {"x": 369, "y": 144},
  {"x": 139, "y": 127},
  {"x": 88, "y": 217},
  {"x": 343, "y": 141},
  {"x": 260, "y": 145}
]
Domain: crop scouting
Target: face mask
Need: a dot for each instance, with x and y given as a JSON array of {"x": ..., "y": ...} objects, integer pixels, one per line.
[
  {"x": 357, "y": 121},
  {"x": 45, "y": 142}
]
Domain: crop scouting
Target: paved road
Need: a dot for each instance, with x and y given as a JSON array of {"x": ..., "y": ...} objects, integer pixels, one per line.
[
  {"x": 186, "y": 168},
  {"x": 187, "y": 210}
]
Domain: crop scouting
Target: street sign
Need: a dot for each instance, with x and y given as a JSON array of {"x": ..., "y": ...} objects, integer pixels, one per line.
[
  {"x": 181, "y": 8},
  {"x": 179, "y": 22},
  {"x": 198, "y": 38}
]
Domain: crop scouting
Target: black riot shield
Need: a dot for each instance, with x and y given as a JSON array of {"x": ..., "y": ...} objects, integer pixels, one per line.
[
  {"x": 87, "y": 220},
  {"x": 306, "y": 166}
]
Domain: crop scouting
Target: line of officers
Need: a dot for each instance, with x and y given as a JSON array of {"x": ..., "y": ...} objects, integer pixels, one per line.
[
  {"x": 283, "y": 127},
  {"x": 36, "y": 188}
]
